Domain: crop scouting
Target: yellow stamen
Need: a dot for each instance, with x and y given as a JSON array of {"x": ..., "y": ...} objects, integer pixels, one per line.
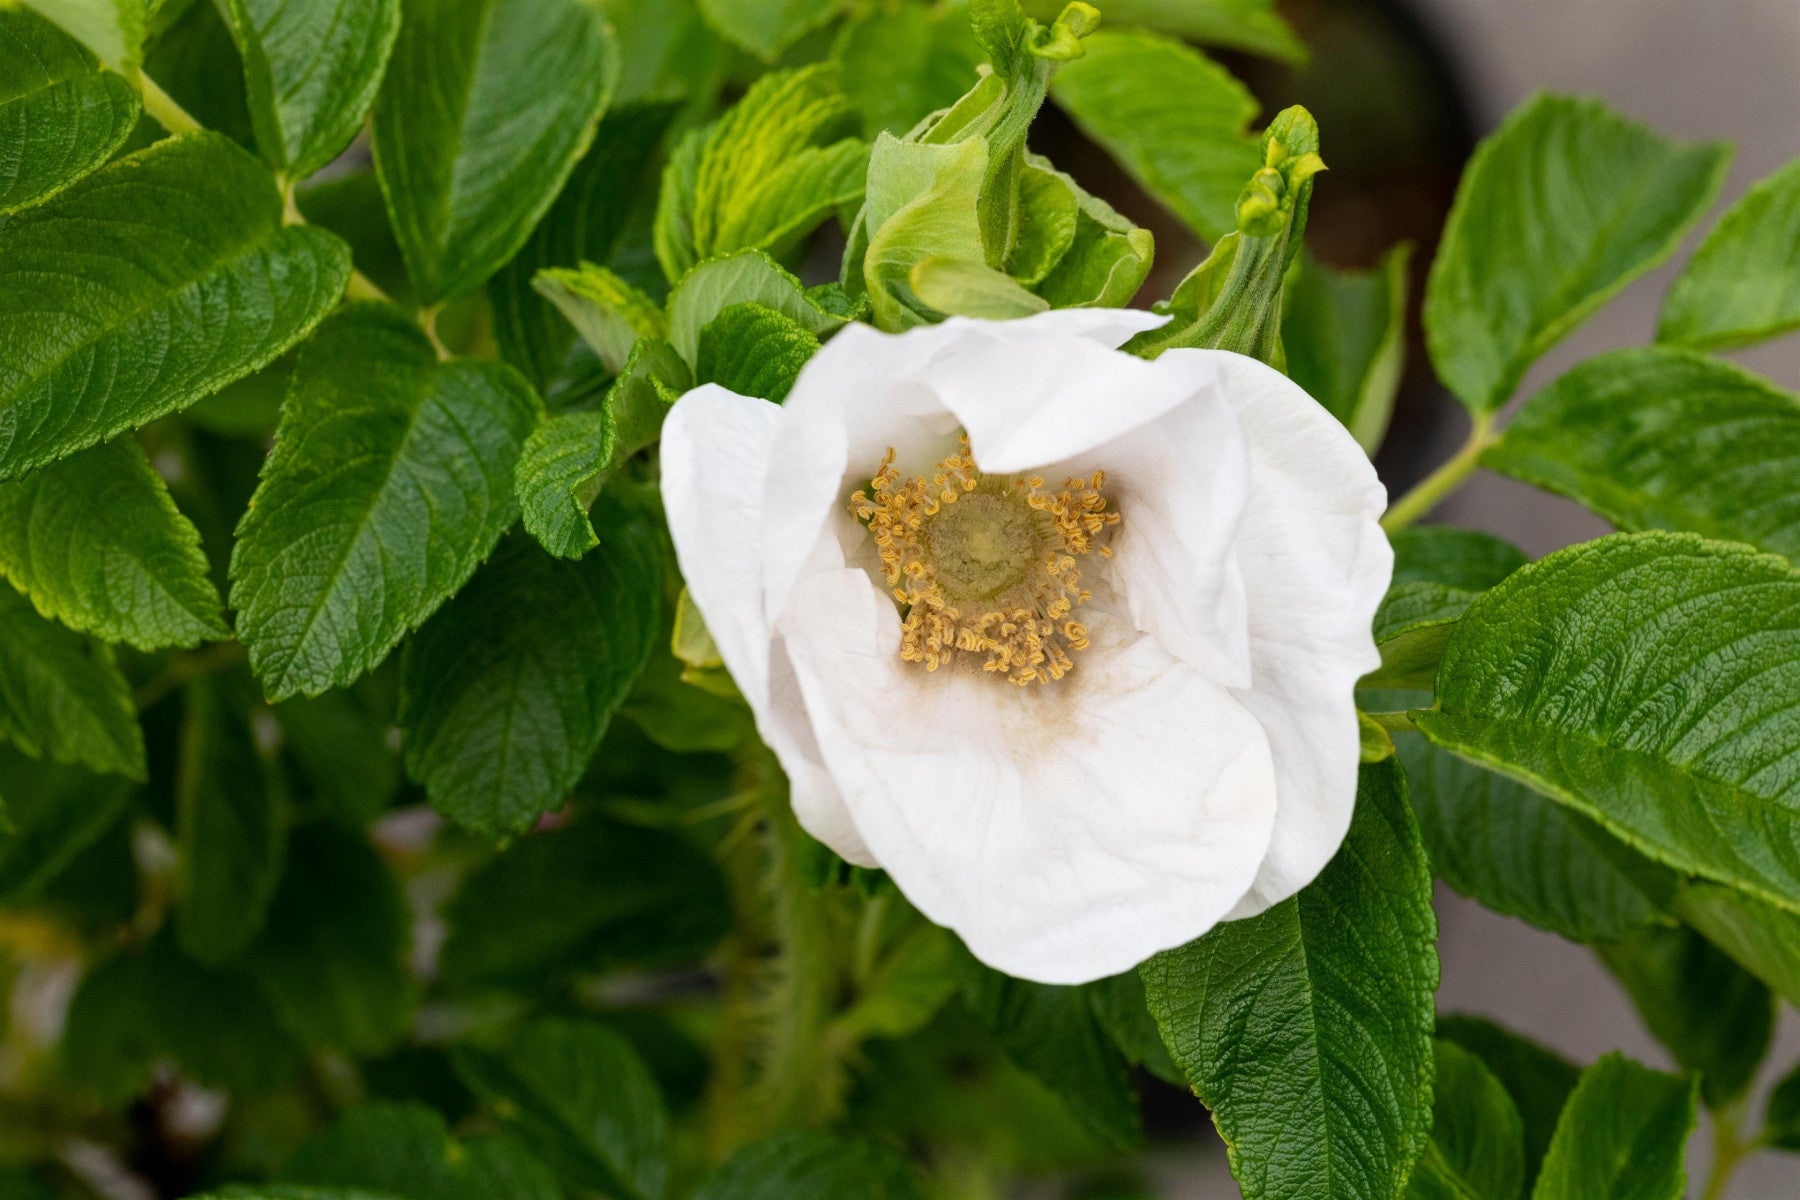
[{"x": 986, "y": 565}]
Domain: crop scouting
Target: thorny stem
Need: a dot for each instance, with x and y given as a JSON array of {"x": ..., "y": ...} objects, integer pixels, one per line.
[{"x": 1446, "y": 479}]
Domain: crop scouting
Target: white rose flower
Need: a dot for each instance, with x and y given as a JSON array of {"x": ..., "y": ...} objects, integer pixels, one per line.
[{"x": 1063, "y": 640}]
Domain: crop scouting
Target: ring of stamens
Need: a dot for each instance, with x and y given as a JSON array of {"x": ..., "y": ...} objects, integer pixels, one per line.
[{"x": 985, "y": 565}]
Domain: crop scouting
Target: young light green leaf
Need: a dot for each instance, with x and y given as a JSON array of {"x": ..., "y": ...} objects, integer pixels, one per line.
[
  {"x": 900, "y": 65},
  {"x": 582, "y": 1099},
  {"x": 1743, "y": 284},
  {"x": 590, "y": 893},
  {"x": 1178, "y": 122},
  {"x": 138, "y": 290},
  {"x": 61, "y": 697},
  {"x": 747, "y": 277},
  {"x": 53, "y": 813},
  {"x": 391, "y": 479},
  {"x": 609, "y": 314},
  {"x": 809, "y": 1165},
  {"x": 1714, "y": 1017},
  {"x": 1477, "y": 1147},
  {"x": 98, "y": 544},
  {"x": 1344, "y": 335},
  {"x": 1661, "y": 438},
  {"x": 112, "y": 29},
  {"x": 960, "y": 287},
  {"x": 764, "y": 175},
  {"x": 923, "y": 202},
  {"x": 486, "y": 108},
  {"x": 332, "y": 958},
  {"x": 754, "y": 351},
  {"x": 583, "y": 226},
  {"x": 1252, "y": 25},
  {"x": 61, "y": 116},
  {"x": 1538, "y": 1080},
  {"x": 1647, "y": 681},
  {"x": 567, "y": 459},
  {"x": 1621, "y": 1136},
  {"x": 311, "y": 71},
  {"x": 1307, "y": 1029},
  {"x": 767, "y": 27},
  {"x": 1106, "y": 259},
  {"x": 506, "y": 692},
  {"x": 1565, "y": 204},
  {"x": 231, "y": 827},
  {"x": 405, "y": 1151},
  {"x": 1499, "y": 843}
]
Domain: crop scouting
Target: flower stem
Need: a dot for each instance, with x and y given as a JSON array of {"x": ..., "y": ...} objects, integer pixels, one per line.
[
  {"x": 164, "y": 110},
  {"x": 1446, "y": 479},
  {"x": 1728, "y": 1150}
]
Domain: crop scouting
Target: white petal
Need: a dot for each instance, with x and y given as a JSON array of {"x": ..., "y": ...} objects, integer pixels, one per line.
[
  {"x": 1066, "y": 832},
  {"x": 716, "y": 449},
  {"x": 1315, "y": 565}
]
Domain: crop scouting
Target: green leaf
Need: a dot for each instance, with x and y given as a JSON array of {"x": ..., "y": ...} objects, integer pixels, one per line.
[
  {"x": 1307, "y": 1029},
  {"x": 963, "y": 288},
  {"x": 1763, "y": 939},
  {"x": 747, "y": 277},
  {"x": 61, "y": 116},
  {"x": 1712, "y": 1015},
  {"x": 1565, "y": 204},
  {"x": 1782, "y": 1120},
  {"x": 567, "y": 459},
  {"x": 1175, "y": 120},
  {"x": 583, "y": 226},
  {"x": 1460, "y": 558},
  {"x": 1501, "y": 844},
  {"x": 923, "y": 202},
  {"x": 98, "y": 544},
  {"x": 311, "y": 71},
  {"x": 808, "y": 1165},
  {"x": 406, "y": 1151},
  {"x": 486, "y": 108},
  {"x": 582, "y": 1099},
  {"x": 1107, "y": 258},
  {"x": 390, "y": 481},
  {"x": 53, "y": 813},
  {"x": 1621, "y": 1137},
  {"x": 590, "y": 893},
  {"x": 351, "y": 206},
  {"x": 902, "y": 64},
  {"x": 194, "y": 58},
  {"x": 332, "y": 958},
  {"x": 1538, "y": 1080},
  {"x": 339, "y": 745},
  {"x": 608, "y": 313},
  {"x": 1119, "y": 1005},
  {"x": 754, "y": 351},
  {"x": 1646, "y": 681},
  {"x": 143, "y": 287},
  {"x": 1344, "y": 334},
  {"x": 1052, "y": 1034},
  {"x": 140, "y": 1009},
  {"x": 1411, "y": 627},
  {"x": 1743, "y": 283},
  {"x": 231, "y": 829},
  {"x": 767, "y": 27},
  {"x": 906, "y": 984},
  {"x": 112, "y": 29},
  {"x": 61, "y": 697},
  {"x": 1252, "y": 25},
  {"x": 1477, "y": 1147},
  {"x": 1661, "y": 438},
  {"x": 764, "y": 175},
  {"x": 506, "y": 692}
]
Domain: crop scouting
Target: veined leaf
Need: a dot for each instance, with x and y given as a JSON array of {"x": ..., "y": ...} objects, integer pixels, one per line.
[
  {"x": 1562, "y": 207},
  {"x": 1477, "y": 1147},
  {"x": 1307, "y": 1029},
  {"x": 231, "y": 830},
  {"x": 61, "y": 697},
  {"x": 1438, "y": 572},
  {"x": 1538, "y": 1080},
  {"x": 506, "y": 692},
  {"x": 579, "y": 1095},
  {"x": 405, "y": 1151},
  {"x": 1465, "y": 559},
  {"x": 486, "y": 108},
  {"x": 609, "y": 314},
  {"x": 1107, "y": 257},
  {"x": 567, "y": 459},
  {"x": 767, "y": 27},
  {"x": 1661, "y": 438},
  {"x": 143, "y": 287},
  {"x": 902, "y": 64},
  {"x": 311, "y": 71},
  {"x": 764, "y": 175},
  {"x": 112, "y": 29},
  {"x": 1743, "y": 284},
  {"x": 1178, "y": 122},
  {"x": 923, "y": 202},
  {"x": 1252, "y": 25},
  {"x": 1621, "y": 1136},
  {"x": 98, "y": 544},
  {"x": 809, "y": 1165},
  {"x": 1343, "y": 332},
  {"x": 390, "y": 481},
  {"x": 754, "y": 351},
  {"x": 61, "y": 116},
  {"x": 1649, "y": 682},
  {"x": 747, "y": 277},
  {"x": 1763, "y": 939}
]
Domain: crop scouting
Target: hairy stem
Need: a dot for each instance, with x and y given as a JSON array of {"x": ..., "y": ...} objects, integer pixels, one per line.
[{"x": 1446, "y": 479}]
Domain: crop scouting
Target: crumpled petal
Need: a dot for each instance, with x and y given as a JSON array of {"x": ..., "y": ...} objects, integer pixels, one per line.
[
  {"x": 1067, "y": 832},
  {"x": 716, "y": 449},
  {"x": 1315, "y": 564}
]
